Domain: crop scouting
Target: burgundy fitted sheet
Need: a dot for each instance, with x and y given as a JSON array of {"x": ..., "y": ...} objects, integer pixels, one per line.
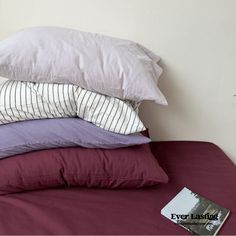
[{"x": 200, "y": 166}]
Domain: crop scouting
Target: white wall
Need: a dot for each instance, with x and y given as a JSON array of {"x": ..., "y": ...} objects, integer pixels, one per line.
[{"x": 195, "y": 38}]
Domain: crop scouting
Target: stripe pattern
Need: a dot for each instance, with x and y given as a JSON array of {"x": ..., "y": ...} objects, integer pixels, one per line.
[{"x": 26, "y": 101}]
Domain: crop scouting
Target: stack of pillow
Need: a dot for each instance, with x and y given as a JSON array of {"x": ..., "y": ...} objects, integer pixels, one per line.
[{"x": 76, "y": 96}]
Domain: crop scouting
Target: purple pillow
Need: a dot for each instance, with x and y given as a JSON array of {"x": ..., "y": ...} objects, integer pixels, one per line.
[{"x": 27, "y": 136}]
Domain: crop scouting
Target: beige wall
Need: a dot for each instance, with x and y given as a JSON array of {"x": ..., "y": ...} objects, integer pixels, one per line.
[{"x": 195, "y": 38}]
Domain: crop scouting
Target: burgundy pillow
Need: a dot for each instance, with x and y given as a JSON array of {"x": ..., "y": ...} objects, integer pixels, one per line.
[{"x": 131, "y": 167}]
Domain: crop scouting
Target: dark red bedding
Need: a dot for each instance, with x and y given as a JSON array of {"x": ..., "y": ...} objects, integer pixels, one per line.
[{"x": 200, "y": 166}]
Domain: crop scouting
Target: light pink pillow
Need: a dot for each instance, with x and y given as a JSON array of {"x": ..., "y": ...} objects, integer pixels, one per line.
[{"x": 111, "y": 66}]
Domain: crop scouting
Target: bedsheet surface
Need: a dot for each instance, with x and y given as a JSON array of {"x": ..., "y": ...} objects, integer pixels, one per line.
[{"x": 200, "y": 166}]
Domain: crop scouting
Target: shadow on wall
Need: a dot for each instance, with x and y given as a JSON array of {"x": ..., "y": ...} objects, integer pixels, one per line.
[{"x": 154, "y": 115}]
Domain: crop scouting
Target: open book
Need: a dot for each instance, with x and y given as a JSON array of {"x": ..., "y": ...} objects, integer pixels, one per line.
[{"x": 195, "y": 213}]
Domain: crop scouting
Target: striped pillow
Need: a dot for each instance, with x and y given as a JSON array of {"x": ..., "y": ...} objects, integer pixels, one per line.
[{"x": 26, "y": 101}]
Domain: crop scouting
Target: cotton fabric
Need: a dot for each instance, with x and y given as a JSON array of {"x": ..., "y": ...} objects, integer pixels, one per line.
[{"x": 21, "y": 101}]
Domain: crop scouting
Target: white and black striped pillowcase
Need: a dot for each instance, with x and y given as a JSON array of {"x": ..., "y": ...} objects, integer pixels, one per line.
[
  {"x": 107, "y": 112},
  {"x": 26, "y": 101}
]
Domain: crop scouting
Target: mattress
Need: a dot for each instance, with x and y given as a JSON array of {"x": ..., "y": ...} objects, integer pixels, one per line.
[{"x": 200, "y": 166}]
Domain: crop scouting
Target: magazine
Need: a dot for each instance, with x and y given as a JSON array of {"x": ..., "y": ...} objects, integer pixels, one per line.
[{"x": 195, "y": 213}]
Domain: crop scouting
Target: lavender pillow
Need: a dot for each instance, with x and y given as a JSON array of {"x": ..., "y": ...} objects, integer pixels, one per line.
[
  {"x": 27, "y": 136},
  {"x": 110, "y": 66}
]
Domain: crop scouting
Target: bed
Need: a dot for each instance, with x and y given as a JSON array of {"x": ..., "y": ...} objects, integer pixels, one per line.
[{"x": 200, "y": 166}]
